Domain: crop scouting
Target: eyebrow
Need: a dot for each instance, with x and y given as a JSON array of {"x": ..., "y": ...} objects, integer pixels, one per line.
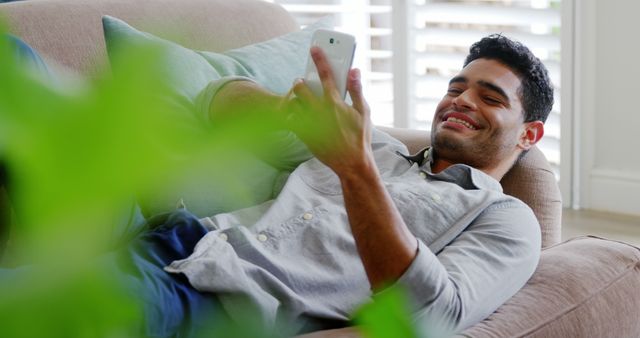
[
  {"x": 495, "y": 88},
  {"x": 458, "y": 79},
  {"x": 485, "y": 84}
]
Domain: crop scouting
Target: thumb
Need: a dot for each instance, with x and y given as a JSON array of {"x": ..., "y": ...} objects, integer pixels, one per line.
[{"x": 354, "y": 87}]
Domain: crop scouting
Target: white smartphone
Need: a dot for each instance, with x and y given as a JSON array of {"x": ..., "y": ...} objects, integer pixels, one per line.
[{"x": 339, "y": 48}]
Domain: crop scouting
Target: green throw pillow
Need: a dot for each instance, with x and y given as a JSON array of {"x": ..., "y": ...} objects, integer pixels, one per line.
[{"x": 273, "y": 64}]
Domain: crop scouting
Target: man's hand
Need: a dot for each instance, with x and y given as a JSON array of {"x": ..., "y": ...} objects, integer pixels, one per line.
[{"x": 339, "y": 135}]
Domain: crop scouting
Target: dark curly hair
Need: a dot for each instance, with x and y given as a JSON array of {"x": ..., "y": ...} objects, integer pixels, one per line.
[{"x": 536, "y": 91}]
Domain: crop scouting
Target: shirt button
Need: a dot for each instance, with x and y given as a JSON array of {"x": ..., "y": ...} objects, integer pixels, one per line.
[
  {"x": 423, "y": 174},
  {"x": 262, "y": 237},
  {"x": 223, "y": 237},
  {"x": 435, "y": 197},
  {"x": 307, "y": 216}
]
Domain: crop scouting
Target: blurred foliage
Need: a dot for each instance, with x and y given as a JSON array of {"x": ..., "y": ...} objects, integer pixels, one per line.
[
  {"x": 73, "y": 156},
  {"x": 388, "y": 315}
]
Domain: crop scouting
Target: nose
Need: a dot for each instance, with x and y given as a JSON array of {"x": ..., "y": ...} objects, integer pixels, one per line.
[{"x": 464, "y": 100}]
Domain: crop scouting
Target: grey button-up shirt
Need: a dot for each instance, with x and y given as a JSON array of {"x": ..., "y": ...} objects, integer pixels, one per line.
[{"x": 294, "y": 257}]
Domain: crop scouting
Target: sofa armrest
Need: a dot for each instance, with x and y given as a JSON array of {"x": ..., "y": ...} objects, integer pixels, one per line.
[{"x": 585, "y": 287}]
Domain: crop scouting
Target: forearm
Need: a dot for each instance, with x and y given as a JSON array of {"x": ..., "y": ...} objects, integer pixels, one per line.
[{"x": 385, "y": 244}]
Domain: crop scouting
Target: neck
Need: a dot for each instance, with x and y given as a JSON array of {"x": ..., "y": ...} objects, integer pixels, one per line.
[{"x": 497, "y": 171}]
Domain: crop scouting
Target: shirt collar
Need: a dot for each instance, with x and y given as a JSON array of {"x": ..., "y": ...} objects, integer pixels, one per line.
[
  {"x": 419, "y": 157},
  {"x": 463, "y": 175}
]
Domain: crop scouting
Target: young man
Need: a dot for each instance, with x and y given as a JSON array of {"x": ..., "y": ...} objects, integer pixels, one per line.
[{"x": 361, "y": 216}]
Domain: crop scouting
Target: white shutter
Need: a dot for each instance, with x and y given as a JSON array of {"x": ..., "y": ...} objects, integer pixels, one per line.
[{"x": 413, "y": 47}]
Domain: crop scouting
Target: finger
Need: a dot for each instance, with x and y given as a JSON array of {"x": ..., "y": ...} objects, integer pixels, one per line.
[
  {"x": 289, "y": 95},
  {"x": 304, "y": 93},
  {"x": 354, "y": 87},
  {"x": 325, "y": 73}
]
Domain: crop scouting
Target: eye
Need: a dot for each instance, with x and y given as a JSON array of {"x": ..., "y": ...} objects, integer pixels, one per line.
[
  {"x": 454, "y": 91},
  {"x": 492, "y": 100}
]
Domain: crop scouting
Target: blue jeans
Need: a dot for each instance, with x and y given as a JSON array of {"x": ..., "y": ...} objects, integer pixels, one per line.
[{"x": 173, "y": 308}]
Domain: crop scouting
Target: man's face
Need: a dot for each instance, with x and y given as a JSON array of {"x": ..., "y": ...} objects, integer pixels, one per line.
[{"x": 480, "y": 119}]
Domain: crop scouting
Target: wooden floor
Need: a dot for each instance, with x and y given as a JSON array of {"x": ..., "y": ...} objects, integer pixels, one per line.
[{"x": 612, "y": 226}]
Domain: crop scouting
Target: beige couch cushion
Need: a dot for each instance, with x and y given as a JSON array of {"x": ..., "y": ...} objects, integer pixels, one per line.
[{"x": 70, "y": 31}]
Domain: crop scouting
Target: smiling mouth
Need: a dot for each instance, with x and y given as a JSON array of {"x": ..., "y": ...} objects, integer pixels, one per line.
[{"x": 462, "y": 122}]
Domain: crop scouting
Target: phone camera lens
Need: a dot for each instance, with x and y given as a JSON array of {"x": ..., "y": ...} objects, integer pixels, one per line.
[{"x": 331, "y": 40}]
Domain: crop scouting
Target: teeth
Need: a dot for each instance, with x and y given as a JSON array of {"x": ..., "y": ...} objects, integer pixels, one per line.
[{"x": 462, "y": 122}]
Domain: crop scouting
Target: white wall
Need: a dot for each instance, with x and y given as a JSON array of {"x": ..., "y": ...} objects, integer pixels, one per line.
[{"x": 607, "y": 104}]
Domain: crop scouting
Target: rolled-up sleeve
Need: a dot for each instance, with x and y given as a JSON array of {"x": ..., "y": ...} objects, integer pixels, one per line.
[
  {"x": 283, "y": 149},
  {"x": 478, "y": 271},
  {"x": 204, "y": 98}
]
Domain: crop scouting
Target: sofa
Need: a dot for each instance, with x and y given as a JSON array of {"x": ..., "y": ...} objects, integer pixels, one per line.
[{"x": 584, "y": 287}]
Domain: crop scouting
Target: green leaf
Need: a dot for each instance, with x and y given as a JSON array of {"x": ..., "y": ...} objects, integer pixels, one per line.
[{"x": 388, "y": 315}]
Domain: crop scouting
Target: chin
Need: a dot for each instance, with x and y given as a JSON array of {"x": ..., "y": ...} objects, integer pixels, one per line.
[
  {"x": 455, "y": 150},
  {"x": 446, "y": 143}
]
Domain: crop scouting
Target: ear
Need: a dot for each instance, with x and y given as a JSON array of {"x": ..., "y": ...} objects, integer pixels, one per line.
[{"x": 531, "y": 134}]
